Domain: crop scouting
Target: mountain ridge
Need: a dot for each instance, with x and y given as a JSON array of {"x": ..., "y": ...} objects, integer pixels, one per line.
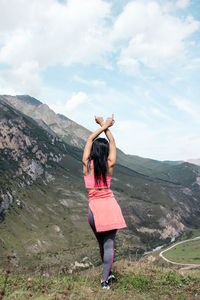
[{"x": 63, "y": 127}]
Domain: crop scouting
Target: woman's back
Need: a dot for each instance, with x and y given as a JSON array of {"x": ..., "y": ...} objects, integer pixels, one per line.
[{"x": 90, "y": 180}]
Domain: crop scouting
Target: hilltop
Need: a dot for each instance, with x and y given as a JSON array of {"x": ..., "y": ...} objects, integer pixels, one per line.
[{"x": 142, "y": 279}]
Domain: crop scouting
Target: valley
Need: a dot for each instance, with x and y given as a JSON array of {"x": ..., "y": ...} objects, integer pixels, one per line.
[{"x": 43, "y": 201}]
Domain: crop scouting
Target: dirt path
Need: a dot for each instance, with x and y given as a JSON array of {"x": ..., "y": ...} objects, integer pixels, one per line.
[{"x": 173, "y": 262}]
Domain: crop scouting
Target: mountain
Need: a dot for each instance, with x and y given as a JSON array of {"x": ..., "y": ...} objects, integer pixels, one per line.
[
  {"x": 173, "y": 162},
  {"x": 194, "y": 161},
  {"x": 69, "y": 131},
  {"x": 76, "y": 135},
  {"x": 43, "y": 202}
]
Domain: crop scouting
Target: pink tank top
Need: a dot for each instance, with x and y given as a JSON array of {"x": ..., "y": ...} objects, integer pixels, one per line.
[{"x": 90, "y": 181}]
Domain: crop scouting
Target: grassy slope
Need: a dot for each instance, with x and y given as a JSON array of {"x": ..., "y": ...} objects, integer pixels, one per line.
[
  {"x": 182, "y": 173},
  {"x": 134, "y": 280},
  {"x": 31, "y": 230},
  {"x": 186, "y": 253},
  {"x": 33, "y": 227},
  {"x": 52, "y": 223},
  {"x": 150, "y": 277}
]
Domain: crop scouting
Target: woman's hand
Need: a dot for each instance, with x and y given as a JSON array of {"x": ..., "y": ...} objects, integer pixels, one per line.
[
  {"x": 99, "y": 120},
  {"x": 110, "y": 121}
]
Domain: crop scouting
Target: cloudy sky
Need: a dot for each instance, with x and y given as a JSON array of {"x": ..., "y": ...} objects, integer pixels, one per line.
[{"x": 138, "y": 59}]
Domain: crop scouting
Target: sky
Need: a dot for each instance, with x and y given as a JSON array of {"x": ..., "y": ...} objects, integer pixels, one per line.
[{"x": 136, "y": 59}]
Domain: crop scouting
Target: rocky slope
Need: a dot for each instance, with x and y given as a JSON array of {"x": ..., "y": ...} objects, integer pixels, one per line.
[
  {"x": 26, "y": 151},
  {"x": 43, "y": 202},
  {"x": 68, "y": 130}
]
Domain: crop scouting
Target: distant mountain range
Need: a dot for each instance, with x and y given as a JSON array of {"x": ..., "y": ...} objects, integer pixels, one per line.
[
  {"x": 194, "y": 161},
  {"x": 43, "y": 202}
]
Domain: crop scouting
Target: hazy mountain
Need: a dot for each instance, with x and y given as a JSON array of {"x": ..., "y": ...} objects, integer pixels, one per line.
[
  {"x": 173, "y": 162},
  {"x": 194, "y": 161},
  {"x": 43, "y": 202}
]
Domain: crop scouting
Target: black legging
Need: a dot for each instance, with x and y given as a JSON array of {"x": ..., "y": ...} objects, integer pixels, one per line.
[{"x": 106, "y": 245}]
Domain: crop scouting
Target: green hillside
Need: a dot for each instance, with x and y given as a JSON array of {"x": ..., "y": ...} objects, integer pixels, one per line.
[
  {"x": 186, "y": 253},
  {"x": 135, "y": 280},
  {"x": 44, "y": 205},
  {"x": 183, "y": 173}
]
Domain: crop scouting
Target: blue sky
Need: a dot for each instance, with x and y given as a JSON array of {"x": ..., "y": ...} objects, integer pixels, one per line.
[{"x": 137, "y": 59}]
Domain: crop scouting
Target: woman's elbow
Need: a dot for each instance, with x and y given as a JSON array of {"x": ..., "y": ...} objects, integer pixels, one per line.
[
  {"x": 84, "y": 161},
  {"x": 111, "y": 163}
]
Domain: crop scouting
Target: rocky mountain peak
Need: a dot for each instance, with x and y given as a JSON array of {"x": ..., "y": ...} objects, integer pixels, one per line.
[{"x": 68, "y": 130}]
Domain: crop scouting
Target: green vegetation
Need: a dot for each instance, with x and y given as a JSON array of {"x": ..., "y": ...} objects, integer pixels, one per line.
[
  {"x": 134, "y": 280},
  {"x": 183, "y": 173},
  {"x": 186, "y": 253},
  {"x": 46, "y": 226}
]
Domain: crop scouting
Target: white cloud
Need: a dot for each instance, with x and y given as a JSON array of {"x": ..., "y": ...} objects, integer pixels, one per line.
[
  {"x": 151, "y": 35},
  {"x": 129, "y": 65},
  {"x": 182, "y": 3},
  {"x": 73, "y": 107},
  {"x": 76, "y": 31},
  {"x": 75, "y": 101},
  {"x": 146, "y": 34},
  {"x": 94, "y": 83},
  {"x": 50, "y": 32},
  {"x": 193, "y": 64},
  {"x": 187, "y": 106},
  {"x": 184, "y": 147},
  {"x": 23, "y": 79},
  {"x": 133, "y": 137},
  {"x": 137, "y": 138},
  {"x": 158, "y": 135},
  {"x": 158, "y": 113}
]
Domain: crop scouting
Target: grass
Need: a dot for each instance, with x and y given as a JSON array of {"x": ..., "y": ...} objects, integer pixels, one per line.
[
  {"x": 186, "y": 253},
  {"x": 134, "y": 280}
]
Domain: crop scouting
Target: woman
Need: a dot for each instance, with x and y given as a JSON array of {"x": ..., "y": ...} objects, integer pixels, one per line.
[{"x": 105, "y": 215}]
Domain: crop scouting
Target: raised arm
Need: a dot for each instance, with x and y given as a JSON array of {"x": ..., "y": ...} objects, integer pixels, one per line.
[
  {"x": 112, "y": 149},
  {"x": 112, "y": 146},
  {"x": 88, "y": 146}
]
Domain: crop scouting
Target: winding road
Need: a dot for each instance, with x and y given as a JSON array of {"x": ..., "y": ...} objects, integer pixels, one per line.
[{"x": 173, "y": 262}]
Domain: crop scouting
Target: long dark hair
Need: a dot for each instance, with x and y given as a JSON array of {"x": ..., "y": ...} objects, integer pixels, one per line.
[{"x": 99, "y": 154}]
